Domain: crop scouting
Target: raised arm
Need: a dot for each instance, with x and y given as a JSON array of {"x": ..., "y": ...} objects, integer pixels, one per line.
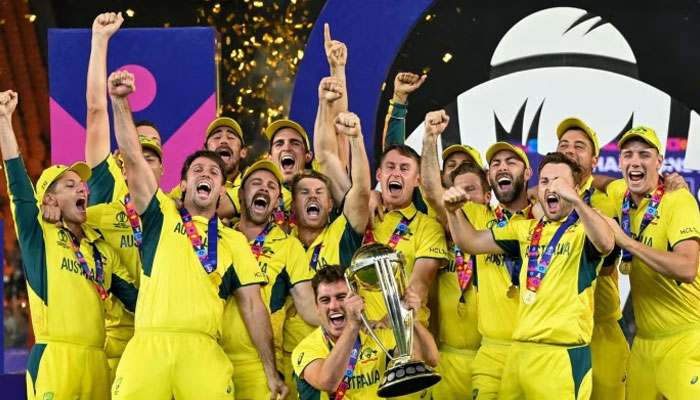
[
  {"x": 405, "y": 83},
  {"x": 356, "y": 208},
  {"x": 97, "y": 141},
  {"x": 463, "y": 233},
  {"x": 431, "y": 182},
  {"x": 140, "y": 180},
  {"x": 337, "y": 55},
  {"x": 8, "y": 142},
  {"x": 330, "y": 91},
  {"x": 257, "y": 322},
  {"x": 303, "y": 296},
  {"x": 326, "y": 374}
]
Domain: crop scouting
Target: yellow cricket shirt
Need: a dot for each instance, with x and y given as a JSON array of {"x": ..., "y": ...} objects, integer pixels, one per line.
[
  {"x": 607, "y": 290},
  {"x": 563, "y": 311},
  {"x": 662, "y": 306},
  {"x": 369, "y": 368},
  {"x": 284, "y": 264},
  {"x": 498, "y": 313},
  {"x": 173, "y": 275},
  {"x": 457, "y": 329},
  {"x": 106, "y": 183},
  {"x": 64, "y": 303},
  {"x": 424, "y": 238},
  {"x": 338, "y": 242}
]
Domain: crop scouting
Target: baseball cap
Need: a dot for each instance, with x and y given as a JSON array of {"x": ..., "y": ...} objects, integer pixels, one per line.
[
  {"x": 575, "y": 123},
  {"x": 152, "y": 145},
  {"x": 642, "y": 132},
  {"x": 286, "y": 123},
  {"x": 227, "y": 122},
  {"x": 464, "y": 148},
  {"x": 263, "y": 164},
  {"x": 54, "y": 172},
  {"x": 498, "y": 146}
]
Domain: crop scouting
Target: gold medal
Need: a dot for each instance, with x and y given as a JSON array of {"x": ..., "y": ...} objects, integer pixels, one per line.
[
  {"x": 215, "y": 279},
  {"x": 625, "y": 267},
  {"x": 511, "y": 292},
  {"x": 529, "y": 297}
]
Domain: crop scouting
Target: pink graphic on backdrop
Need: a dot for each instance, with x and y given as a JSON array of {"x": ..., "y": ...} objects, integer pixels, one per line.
[
  {"x": 67, "y": 136},
  {"x": 146, "y": 87}
]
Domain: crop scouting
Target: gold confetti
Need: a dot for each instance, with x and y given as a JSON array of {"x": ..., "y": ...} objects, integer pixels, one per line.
[
  {"x": 130, "y": 13},
  {"x": 426, "y": 70},
  {"x": 30, "y": 17},
  {"x": 446, "y": 58},
  {"x": 216, "y": 9}
]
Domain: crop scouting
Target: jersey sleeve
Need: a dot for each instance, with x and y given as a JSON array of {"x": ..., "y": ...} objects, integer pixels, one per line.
[
  {"x": 395, "y": 124},
  {"x": 310, "y": 349},
  {"x": 350, "y": 240},
  {"x": 30, "y": 235},
  {"x": 432, "y": 243},
  {"x": 152, "y": 224},
  {"x": 297, "y": 264},
  {"x": 616, "y": 192},
  {"x": 508, "y": 237},
  {"x": 245, "y": 269},
  {"x": 684, "y": 219},
  {"x": 106, "y": 182},
  {"x": 123, "y": 284}
]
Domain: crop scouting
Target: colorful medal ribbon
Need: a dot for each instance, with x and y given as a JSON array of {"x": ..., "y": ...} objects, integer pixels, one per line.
[
  {"x": 512, "y": 265},
  {"x": 395, "y": 237},
  {"x": 207, "y": 258},
  {"x": 279, "y": 214},
  {"x": 257, "y": 247},
  {"x": 349, "y": 371},
  {"x": 536, "y": 271},
  {"x": 464, "y": 271},
  {"x": 133, "y": 220},
  {"x": 314, "y": 256},
  {"x": 99, "y": 281},
  {"x": 649, "y": 215}
]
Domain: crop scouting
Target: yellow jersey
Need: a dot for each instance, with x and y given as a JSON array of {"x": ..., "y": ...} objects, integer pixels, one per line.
[
  {"x": 172, "y": 273},
  {"x": 497, "y": 301},
  {"x": 562, "y": 313},
  {"x": 283, "y": 262},
  {"x": 424, "y": 238},
  {"x": 107, "y": 183},
  {"x": 369, "y": 368},
  {"x": 457, "y": 313},
  {"x": 662, "y": 306},
  {"x": 65, "y": 305}
]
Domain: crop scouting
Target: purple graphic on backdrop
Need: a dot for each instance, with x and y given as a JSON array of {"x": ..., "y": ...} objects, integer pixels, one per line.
[{"x": 159, "y": 58}]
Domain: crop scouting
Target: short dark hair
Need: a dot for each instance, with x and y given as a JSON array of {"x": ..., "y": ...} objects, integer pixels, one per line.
[
  {"x": 212, "y": 155},
  {"x": 331, "y": 273},
  {"x": 404, "y": 150},
  {"x": 309, "y": 173},
  {"x": 578, "y": 128},
  {"x": 145, "y": 122},
  {"x": 559, "y": 158},
  {"x": 471, "y": 168}
]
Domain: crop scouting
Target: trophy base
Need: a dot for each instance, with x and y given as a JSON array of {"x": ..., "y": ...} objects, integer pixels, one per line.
[{"x": 405, "y": 376}]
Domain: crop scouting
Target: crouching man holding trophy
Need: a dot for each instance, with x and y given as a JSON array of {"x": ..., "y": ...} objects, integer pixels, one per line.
[{"x": 340, "y": 360}]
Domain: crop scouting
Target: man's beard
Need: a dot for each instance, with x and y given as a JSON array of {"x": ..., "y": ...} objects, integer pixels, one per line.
[{"x": 511, "y": 194}]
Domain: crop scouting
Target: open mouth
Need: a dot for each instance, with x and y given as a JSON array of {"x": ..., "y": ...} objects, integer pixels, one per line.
[
  {"x": 225, "y": 154},
  {"x": 203, "y": 188},
  {"x": 81, "y": 203},
  {"x": 287, "y": 163},
  {"x": 636, "y": 176},
  {"x": 260, "y": 203},
  {"x": 395, "y": 187},
  {"x": 504, "y": 183},
  {"x": 336, "y": 319},
  {"x": 313, "y": 210},
  {"x": 552, "y": 202}
]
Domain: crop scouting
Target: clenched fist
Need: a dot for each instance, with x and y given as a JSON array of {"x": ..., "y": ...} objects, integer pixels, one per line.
[
  {"x": 436, "y": 122},
  {"x": 330, "y": 89},
  {"x": 406, "y": 83},
  {"x": 348, "y": 124},
  {"x": 106, "y": 24},
  {"x": 121, "y": 84},
  {"x": 454, "y": 198},
  {"x": 8, "y": 103}
]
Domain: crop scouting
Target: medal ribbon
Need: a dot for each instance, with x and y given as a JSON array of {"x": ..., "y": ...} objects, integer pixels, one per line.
[
  {"x": 99, "y": 281},
  {"x": 279, "y": 213},
  {"x": 464, "y": 271},
  {"x": 512, "y": 265},
  {"x": 536, "y": 271},
  {"x": 259, "y": 241},
  {"x": 133, "y": 220},
  {"x": 314, "y": 256},
  {"x": 207, "y": 258},
  {"x": 349, "y": 371},
  {"x": 649, "y": 215},
  {"x": 395, "y": 237}
]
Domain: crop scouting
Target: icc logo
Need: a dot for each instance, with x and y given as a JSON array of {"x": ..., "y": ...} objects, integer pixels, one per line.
[
  {"x": 121, "y": 217},
  {"x": 62, "y": 236}
]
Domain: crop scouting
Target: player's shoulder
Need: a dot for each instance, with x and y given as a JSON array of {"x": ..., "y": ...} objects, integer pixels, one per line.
[{"x": 681, "y": 198}]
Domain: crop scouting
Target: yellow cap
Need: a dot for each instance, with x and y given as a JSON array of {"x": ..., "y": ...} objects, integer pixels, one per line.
[
  {"x": 642, "y": 132},
  {"x": 147, "y": 143},
  {"x": 498, "y": 146},
  {"x": 575, "y": 123},
  {"x": 266, "y": 165},
  {"x": 286, "y": 123},
  {"x": 227, "y": 122},
  {"x": 464, "y": 148},
  {"x": 52, "y": 173}
]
